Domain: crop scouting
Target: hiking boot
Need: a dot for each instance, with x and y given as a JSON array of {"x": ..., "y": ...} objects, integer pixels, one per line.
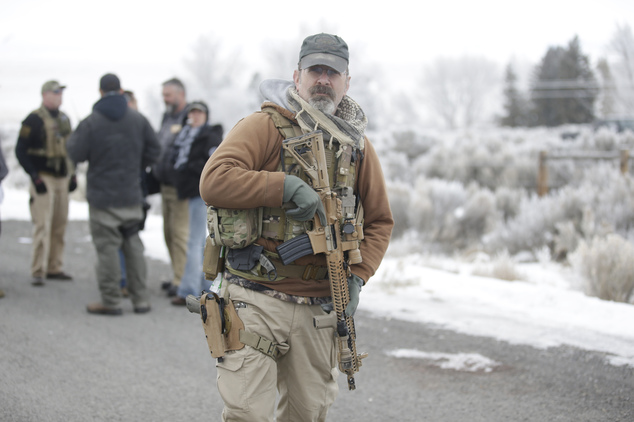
[
  {"x": 59, "y": 276},
  {"x": 101, "y": 309},
  {"x": 172, "y": 291},
  {"x": 142, "y": 308},
  {"x": 37, "y": 282},
  {"x": 178, "y": 301}
]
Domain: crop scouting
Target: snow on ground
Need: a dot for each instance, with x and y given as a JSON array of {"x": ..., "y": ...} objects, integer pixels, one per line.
[{"x": 543, "y": 311}]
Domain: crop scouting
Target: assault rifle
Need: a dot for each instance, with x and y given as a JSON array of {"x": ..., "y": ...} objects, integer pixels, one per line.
[{"x": 341, "y": 232}]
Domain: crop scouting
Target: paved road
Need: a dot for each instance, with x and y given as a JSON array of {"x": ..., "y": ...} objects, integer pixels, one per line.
[{"x": 57, "y": 363}]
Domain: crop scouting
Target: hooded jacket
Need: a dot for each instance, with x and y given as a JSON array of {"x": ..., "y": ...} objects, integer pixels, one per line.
[
  {"x": 243, "y": 173},
  {"x": 117, "y": 142}
]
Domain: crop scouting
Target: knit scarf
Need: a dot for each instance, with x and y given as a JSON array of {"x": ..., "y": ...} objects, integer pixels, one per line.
[{"x": 346, "y": 126}]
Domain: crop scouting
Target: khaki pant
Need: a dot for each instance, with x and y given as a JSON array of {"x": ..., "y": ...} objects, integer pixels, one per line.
[
  {"x": 49, "y": 214},
  {"x": 108, "y": 239},
  {"x": 304, "y": 375},
  {"x": 175, "y": 230}
]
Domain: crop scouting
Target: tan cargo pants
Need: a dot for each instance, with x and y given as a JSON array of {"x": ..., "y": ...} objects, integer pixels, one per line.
[
  {"x": 175, "y": 229},
  {"x": 49, "y": 214},
  {"x": 304, "y": 375}
]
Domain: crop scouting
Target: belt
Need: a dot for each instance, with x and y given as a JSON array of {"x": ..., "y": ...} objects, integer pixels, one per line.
[{"x": 305, "y": 272}]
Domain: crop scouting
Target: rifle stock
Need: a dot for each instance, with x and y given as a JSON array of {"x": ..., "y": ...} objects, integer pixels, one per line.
[{"x": 308, "y": 150}]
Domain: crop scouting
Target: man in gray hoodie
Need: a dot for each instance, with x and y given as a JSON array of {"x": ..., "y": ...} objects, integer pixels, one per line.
[{"x": 117, "y": 142}]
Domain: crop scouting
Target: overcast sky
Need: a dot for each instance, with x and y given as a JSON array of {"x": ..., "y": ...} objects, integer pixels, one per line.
[{"x": 145, "y": 42}]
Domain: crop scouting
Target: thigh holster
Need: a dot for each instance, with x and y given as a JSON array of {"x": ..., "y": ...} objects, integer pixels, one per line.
[{"x": 221, "y": 324}]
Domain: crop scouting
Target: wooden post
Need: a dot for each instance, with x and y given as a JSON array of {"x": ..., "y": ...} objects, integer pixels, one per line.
[
  {"x": 625, "y": 161},
  {"x": 542, "y": 175}
]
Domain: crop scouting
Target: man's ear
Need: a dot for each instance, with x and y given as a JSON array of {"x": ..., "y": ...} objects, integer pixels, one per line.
[{"x": 297, "y": 77}]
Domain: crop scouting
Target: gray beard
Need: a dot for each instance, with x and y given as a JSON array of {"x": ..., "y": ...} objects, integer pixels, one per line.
[{"x": 323, "y": 104}]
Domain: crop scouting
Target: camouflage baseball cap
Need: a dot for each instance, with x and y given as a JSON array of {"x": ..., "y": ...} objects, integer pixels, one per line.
[
  {"x": 325, "y": 49},
  {"x": 52, "y": 86}
]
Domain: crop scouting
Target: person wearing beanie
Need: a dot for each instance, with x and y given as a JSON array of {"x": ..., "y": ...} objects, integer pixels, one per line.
[{"x": 192, "y": 147}]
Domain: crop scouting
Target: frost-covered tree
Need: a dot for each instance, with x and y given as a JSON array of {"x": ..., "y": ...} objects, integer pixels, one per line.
[
  {"x": 515, "y": 106},
  {"x": 622, "y": 45},
  {"x": 215, "y": 77},
  {"x": 458, "y": 90},
  {"x": 564, "y": 87}
]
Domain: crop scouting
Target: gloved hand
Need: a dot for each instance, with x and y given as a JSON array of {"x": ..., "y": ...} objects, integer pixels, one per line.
[
  {"x": 40, "y": 187},
  {"x": 307, "y": 200},
  {"x": 72, "y": 183},
  {"x": 355, "y": 283}
]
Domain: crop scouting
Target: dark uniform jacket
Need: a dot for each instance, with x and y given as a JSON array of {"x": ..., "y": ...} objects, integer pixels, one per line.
[
  {"x": 32, "y": 142},
  {"x": 118, "y": 142}
]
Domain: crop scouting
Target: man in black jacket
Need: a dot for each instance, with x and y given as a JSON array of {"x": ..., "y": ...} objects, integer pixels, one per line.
[
  {"x": 41, "y": 151},
  {"x": 117, "y": 142}
]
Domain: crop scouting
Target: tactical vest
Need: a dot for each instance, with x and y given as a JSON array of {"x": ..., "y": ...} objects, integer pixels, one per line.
[
  {"x": 341, "y": 161},
  {"x": 57, "y": 131}
]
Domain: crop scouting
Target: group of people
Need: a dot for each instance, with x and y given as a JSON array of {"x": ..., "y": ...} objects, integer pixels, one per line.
[
  {"x": 249, "y": 170},
  {"x": 127, "y": 161}
]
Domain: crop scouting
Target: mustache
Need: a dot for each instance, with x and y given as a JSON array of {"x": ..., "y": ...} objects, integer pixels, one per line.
[{"x": 322, "y": 89}]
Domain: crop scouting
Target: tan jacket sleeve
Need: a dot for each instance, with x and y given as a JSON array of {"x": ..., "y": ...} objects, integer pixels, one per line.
[
  {"x": 378, "y": 222},
  {"x": 241, "y": 173}
]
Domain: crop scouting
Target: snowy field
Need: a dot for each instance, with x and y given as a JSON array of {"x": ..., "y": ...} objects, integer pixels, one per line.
[{"x": 545, "y": 310}]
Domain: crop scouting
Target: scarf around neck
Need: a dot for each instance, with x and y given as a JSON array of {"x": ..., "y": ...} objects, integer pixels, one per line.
[{"x": 346, "y": 126}]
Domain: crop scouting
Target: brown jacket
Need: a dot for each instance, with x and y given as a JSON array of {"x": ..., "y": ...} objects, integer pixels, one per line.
[{"x": 242, "y": 173}]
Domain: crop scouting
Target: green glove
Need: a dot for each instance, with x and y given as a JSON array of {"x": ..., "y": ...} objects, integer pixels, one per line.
[
  {"x": 355, "y": 283},
  {"x": 307, "y": 200}
]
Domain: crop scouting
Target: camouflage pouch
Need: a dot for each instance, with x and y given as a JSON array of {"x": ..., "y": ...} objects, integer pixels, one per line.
[{"x": 234, "y": 229}]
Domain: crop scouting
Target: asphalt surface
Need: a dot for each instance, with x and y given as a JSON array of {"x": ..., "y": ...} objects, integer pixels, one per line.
[{"x": 58, "y": 363}]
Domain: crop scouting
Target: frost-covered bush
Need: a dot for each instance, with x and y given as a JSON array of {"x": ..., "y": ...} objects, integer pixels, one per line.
[
  {"x": 502, "y": 267},
  {"x": 508, "y": 201},
  {"x": 412, "y": 144},
  {"x": 477, "y": 217},
  {"x": 607, "y": 266},
  {"x": 395, "y": 166},
  {"x": 399, "y": 194},
  {"x": 535, "y": 224},
  {"x": 477, "y": 190},
  {"x": 606, "y": 140},
  {"x": 433, "y": 206},
  {"x": 449, "y": 215},
  {"x": 610, "y": 195}
]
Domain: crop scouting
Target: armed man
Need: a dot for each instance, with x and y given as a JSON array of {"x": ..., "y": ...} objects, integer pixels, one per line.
[
  {"x": 278, "y": 296},
  {"x": 41, "y": 150}
]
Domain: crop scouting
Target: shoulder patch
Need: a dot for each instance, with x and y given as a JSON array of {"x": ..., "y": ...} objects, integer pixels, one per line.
[{"x": 25, "y": 131}]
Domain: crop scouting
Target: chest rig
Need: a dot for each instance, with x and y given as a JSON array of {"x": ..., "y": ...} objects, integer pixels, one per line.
[
  {"x": 342, "y": 162},
  {"x": 57, "y": 131}
]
